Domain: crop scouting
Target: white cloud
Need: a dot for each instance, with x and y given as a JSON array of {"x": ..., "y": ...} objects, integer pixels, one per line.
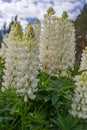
[{"x": 36, "y": 8}]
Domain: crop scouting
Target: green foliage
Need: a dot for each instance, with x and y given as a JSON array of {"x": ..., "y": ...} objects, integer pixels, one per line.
[
  {"x": 81, "y": 31},
  {"x": 74, "y": 71},
  {"x": 81, "y": 21},
  {"x": 49, "y": 111}
]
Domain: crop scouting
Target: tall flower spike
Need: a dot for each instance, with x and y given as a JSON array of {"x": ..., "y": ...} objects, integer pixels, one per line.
[
  {"x": 79, "y": 105},
  {"x": 57, "y": 44},
  {"x": 29, "y": 62},
  {"x": 11, "y": 56},
  {"x": 47, "y": 43},
  {"x": 65, "y": 44},
  {"x": 22, "y": 65}
]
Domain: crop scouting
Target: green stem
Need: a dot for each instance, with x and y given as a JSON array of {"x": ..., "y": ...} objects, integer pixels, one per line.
[
  {"x": 16, "y": 124},
  {"x": 13, "y": 122},
  {"x": 23, "y": 116}
]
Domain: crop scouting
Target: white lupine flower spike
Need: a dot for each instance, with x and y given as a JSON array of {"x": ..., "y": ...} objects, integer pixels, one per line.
[
  {"x": 22, "y": 62},
  {"x": 57, "y": 44},
  {"x": 10, "y": 55},
  {"x": 79, "y": 101}
]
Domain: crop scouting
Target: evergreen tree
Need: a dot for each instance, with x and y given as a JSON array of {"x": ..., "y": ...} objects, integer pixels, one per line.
[
  {"x": 4, "y": 28},
  {"x": 81, "y": 33},
  {"x": 0, "y": 38},
  {"x": 11, "y": 23}
]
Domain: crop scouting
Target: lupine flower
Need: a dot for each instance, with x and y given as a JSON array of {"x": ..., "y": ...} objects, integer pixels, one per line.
[
  {"x": 57, "y": 44},
  {"x": 21, "y": 62},
  {"x": 79, "y": 101},
  {"x": 47, "y": 43},
  {"x": 10, "y": 56},
  {"x": 66, "y": 43},
  {"x": 29, "y": 62}
]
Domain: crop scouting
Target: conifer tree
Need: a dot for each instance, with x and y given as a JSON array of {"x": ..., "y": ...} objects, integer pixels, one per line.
[
  {"x": 11, "y": 23},
  {"x": 81, "y": 33},
  {"x": 0, "y": 39},
  {"x": 4, "y": 28}
]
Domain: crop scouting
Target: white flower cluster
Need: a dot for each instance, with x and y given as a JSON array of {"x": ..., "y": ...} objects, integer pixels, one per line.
[
  {"x": 79, "y": 105},
  {"x": 21, "y": 62},
  {"x": 57, "y": 44}
]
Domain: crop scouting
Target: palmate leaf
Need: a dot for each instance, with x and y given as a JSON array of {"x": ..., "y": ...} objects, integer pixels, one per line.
[
  {"x": 48, "y": 89},
  {"x": 13, "y": 110},
  {"x": 55, "y": 98},
  {"x": 5, "y": 108},
  {"x": 79, "y": 127},
  {"x": 3, "y": 118},
  {"x": 56, "y": 83},
  {"x": 75, "y": 71},
  {"x": 47, "y": 98},
  {"x": 59, "y": 121},
  {"x": 62, "y": 84},
  {"x": 67, "y": 87},
  {"x": 70, "y": 122},
  {"x": 66, "y": 123}
]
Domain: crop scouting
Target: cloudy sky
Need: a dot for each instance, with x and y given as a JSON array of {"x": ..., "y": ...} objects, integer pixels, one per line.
[{"x": 28, "y": 10}]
